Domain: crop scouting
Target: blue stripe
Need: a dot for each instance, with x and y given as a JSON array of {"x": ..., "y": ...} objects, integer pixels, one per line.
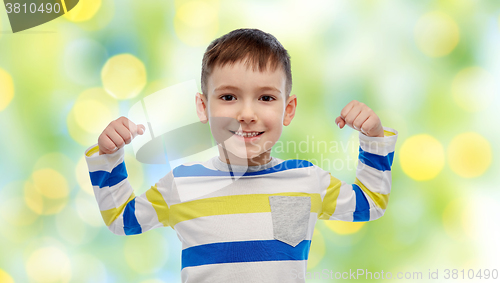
[
  {"x": 130, "y": 223},
  {"x": 380, "y": 162},
  {"x": 105, "y": 179},
  {"x": 198, "y": 170},
  {"x": 362, "y": 212},
  {"x": 249, "y": 251}
]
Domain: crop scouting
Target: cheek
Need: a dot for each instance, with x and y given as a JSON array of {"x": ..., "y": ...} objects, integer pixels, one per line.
[
  {"x": 274, "y": 118},
  {"x": 274, "y": 123},
  {"x": 219, "y": 111}
]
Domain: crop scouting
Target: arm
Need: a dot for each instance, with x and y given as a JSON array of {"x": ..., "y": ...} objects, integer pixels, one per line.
[
  {"x": 367, "y": 198},
  {"x": 122, "y": 211}
]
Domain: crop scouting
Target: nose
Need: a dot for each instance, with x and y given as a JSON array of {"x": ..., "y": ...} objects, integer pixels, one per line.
[{"x": 247, "y": 114}]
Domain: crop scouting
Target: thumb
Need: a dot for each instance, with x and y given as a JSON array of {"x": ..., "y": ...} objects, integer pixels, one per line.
[
  {"x": 141, "y": 129},
  {"x": 340, "y": 122}
]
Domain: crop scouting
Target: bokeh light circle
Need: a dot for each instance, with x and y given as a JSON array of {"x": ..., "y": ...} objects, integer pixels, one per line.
[
  {"x": 33, "y": 198},
  {"x": 473, "y": 89},
  {"x": 90, "y": 113},
  {"x": 41, "y": 204},
  {"x": 50, "y": 183},
  {"x": 436, "y": 34},
  {"x": 124, "y": 76},
  {"x": 6, "y": 89},
  {"x": 101, "y": 18},
  {"x": 5, "y": 277},
  {"x": 421, "y": 157},
  {"x": 469, "y": 155},
  {"x": 343, "y": 227},
  {"x": 196, "y": 22},
  {"x": 84, "y": 122},
  {"x": 49, "y": 265},
  {"x": 83, "y": 11},
  {"x": 317, "y": 251}
]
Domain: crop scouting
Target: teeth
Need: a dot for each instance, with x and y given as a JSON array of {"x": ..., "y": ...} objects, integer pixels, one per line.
[{"x": 246, "y": 135}]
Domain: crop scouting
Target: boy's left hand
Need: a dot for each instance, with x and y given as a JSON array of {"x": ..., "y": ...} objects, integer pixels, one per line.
[{"x": 361, "y": 118}]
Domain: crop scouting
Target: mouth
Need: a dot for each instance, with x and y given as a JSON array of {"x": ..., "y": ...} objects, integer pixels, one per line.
[{"x": 247, "y": 134}]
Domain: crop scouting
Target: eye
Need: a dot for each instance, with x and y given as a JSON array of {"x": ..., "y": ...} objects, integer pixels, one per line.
[
  {"x": 227, "y": 97},
  {"x": 268, "y": 98}
]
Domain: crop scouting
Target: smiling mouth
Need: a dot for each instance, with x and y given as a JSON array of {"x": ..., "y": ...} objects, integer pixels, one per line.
[{"x": 247, "y": 134}]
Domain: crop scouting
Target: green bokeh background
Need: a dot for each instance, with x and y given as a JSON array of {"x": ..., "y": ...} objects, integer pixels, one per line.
[{"x": 429, "y": 69}]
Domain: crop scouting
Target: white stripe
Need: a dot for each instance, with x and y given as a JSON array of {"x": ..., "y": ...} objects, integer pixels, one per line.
[
  {"x": 117, "y": 226},
  {"x": 349, "y": 217},
  {"x": 294, "y": 180},
  {"x": 146, "y": 214},
  {"x": 346, "y": 201},
  {"x": 190, "y": 188},
  {"x": 111, "y": 197},
  {"x": 247, "y": 272},
  {"x": 375, "y": 180},
  {"x": 231, "y": 228},
  {"x": 166, "y": 187},
  {"x": 226, "y": 228},
  {"x": 375, "y": 213},
  {"x": 105, "y": 162},
  {"x": 378, "y": 145},
  {"x": 324, "y": 180}
]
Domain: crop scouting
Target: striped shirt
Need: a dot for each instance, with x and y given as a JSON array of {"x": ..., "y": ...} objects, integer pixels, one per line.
[{"x": 244, "y": 224}]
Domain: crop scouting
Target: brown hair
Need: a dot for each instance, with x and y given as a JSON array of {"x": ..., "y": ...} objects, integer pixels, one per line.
[{"x": 258, "y": 47}]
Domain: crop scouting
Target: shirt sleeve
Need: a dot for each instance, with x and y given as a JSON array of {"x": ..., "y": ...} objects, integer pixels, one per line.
[
  {"x": 122, "y": 211},
  {"x": 367, "y": 198}
]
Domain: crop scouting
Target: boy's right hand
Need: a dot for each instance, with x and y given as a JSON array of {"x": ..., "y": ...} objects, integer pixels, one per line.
[{"x": 118, "y": 133}]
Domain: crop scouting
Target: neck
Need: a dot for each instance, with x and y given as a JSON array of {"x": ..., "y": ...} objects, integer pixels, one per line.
[{"x": 229, "y": 158}]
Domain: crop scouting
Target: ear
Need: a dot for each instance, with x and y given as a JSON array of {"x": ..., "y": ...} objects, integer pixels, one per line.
[
  {"x": 290, "y": 107},
  {"x": 201, "y": 107}
]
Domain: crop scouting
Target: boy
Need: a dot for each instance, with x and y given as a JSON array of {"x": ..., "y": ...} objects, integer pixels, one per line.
[{"x": 259, "y": 227}]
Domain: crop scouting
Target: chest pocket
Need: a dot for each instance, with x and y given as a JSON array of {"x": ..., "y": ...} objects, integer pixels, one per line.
[{"x": 290, "y": 218}]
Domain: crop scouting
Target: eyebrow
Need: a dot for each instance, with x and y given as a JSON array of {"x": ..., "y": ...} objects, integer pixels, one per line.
[{"x": 230, "y": 87}]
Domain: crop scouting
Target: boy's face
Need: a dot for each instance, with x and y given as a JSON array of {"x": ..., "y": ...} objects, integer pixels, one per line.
[{"x": 243, "y": 100}]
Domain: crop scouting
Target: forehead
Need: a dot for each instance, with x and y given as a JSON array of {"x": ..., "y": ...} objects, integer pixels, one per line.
[{"x": 243, "y": 75}]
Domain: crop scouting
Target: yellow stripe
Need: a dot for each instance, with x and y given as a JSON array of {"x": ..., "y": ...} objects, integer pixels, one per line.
[
  {"x": 380, "y": 200},
  {"x": 254, "y": 203},
  {"x": 159, "y": 204},
  {"x": 388, "y": 134},
  {"x": 64, "y": 6},
  {"x": 92, "y": 151},
  {"x": 110, "y": 215},
  {"x": 330, "y": 200}
]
